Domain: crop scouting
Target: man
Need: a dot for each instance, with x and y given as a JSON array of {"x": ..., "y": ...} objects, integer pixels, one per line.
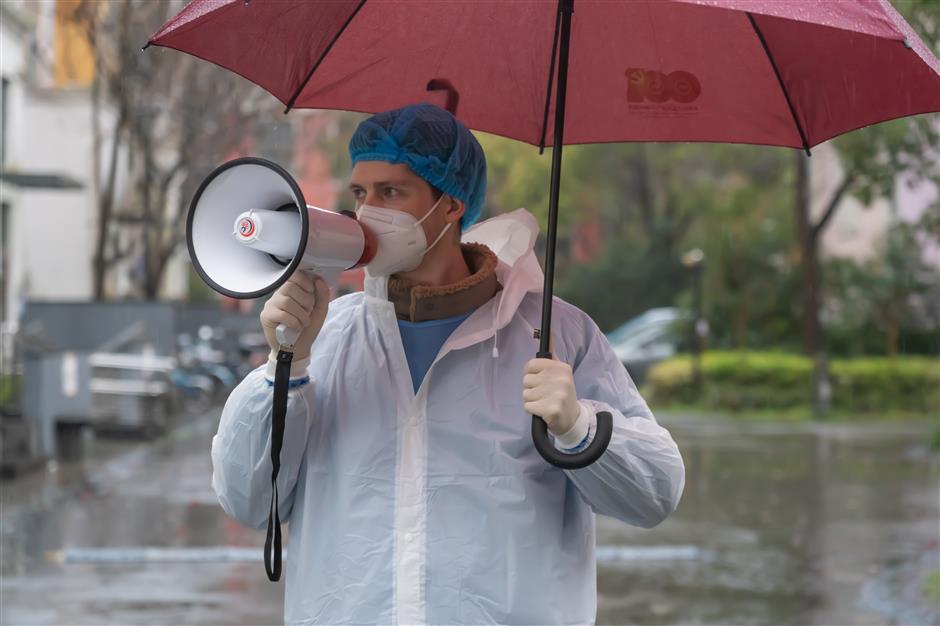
[{"x": 408, "y": 476}]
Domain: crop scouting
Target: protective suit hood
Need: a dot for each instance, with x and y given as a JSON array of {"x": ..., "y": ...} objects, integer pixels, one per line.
[{"x": 511, "y": 236}]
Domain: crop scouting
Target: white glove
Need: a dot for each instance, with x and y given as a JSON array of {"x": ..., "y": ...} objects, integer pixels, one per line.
[
  {"x": 301, "y": 304},
  {"x": 548, "y": 391}
]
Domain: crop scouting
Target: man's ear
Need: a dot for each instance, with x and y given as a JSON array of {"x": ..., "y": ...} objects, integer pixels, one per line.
[{"x": 455, "y": 209}]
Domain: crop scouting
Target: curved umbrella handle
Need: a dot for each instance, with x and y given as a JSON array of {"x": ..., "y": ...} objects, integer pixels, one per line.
[{"x": 605, "y": 428}]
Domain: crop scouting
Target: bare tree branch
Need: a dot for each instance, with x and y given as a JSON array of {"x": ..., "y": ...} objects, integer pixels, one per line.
[{"x": 834, "y": 201}]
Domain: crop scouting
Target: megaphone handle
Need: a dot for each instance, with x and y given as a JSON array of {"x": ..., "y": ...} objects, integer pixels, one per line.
[{"x": 286, "y": 336}]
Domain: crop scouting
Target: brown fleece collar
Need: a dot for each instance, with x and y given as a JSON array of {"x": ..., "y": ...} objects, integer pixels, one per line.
[{"x": 417, "y": 302}]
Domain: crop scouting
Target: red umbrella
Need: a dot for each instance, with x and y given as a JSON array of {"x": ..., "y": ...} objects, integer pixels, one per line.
[{"x": 781, "y": 72}]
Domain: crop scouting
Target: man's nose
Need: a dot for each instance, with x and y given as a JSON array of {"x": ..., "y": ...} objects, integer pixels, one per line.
[{"x": 372, "y": 198}]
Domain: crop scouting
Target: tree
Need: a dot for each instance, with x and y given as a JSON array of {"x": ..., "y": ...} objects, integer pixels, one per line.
[
  {"x": 871, "y": 160},
  {"x": 743, "y": 232},
  {"x": 163, "y": 118},
  {"x": 891, "y": 297}
]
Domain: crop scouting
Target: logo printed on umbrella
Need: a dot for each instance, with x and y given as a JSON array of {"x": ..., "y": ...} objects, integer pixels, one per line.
[
  {"x": 654, "y": 86},
  {"x": 649, "y": 91}
]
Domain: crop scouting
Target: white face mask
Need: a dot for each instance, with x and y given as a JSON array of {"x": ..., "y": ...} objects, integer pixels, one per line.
[{"x": 401, "y": 241}]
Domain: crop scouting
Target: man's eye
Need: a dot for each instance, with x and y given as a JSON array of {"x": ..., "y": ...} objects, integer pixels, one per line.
[
  {"x": 391, "y": 192},
  {"x": 358, "y": 193}
]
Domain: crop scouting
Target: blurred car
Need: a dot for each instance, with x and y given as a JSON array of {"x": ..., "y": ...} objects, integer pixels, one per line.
[{"x": 649, "y": 338}]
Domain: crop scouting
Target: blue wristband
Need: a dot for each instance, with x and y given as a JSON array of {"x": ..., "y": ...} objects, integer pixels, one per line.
[
  {"x": 582, "y": 445},
  {"x": 291, "y": 384}
]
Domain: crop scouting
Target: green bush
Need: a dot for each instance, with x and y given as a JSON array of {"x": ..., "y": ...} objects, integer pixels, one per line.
[
  {"x": 876, "y": 384},
  {"x": 738, "y": 381}
]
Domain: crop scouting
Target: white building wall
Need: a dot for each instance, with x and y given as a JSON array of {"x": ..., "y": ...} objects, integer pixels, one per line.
[{"x": 57, "y": 227}]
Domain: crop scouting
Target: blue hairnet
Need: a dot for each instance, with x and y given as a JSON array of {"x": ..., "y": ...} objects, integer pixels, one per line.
[{"x": 434, "y": 144}]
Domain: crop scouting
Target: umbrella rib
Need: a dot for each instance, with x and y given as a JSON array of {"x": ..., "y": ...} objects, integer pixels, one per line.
[
  {"x": 783, "y": 87},
  {"x": 290, "y": 103},
  {"x": 551, "y": 76}
]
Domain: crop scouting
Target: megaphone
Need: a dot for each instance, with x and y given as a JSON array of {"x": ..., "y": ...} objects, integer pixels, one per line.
[{"x": 249, "y": 228}]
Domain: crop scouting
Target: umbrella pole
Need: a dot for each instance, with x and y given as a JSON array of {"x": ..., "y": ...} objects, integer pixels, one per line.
[
  {"x": 565, "y": 8},
  {"x": 604, "y": 420}
]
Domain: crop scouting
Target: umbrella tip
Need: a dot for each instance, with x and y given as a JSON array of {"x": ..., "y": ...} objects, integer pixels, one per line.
[{"x": 145, "y": 46}]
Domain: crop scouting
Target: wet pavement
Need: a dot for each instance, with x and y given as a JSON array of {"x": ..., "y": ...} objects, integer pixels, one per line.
[
  {"x": 143, "y": 495},
  {"x": 779, "y": 524},
  {"x": 828, "y": 524}
]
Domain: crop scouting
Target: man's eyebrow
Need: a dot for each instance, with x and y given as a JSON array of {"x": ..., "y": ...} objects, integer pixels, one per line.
[{"x": 385, "y": 183}]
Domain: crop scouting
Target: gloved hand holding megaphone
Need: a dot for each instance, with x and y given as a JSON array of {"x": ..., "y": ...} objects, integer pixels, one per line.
[{"x": 299, "y": 308}]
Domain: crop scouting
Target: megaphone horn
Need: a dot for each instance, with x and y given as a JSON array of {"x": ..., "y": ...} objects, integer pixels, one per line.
[{"x": 249, "y": 229}]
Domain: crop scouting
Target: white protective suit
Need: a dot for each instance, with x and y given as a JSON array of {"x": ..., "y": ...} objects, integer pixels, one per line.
[{"x": 435, "y": 507}]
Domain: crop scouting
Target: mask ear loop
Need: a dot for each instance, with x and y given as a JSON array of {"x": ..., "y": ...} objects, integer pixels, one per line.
[
  {"x": 443, "y": 230},
  {"x": 431, "y": 210}
]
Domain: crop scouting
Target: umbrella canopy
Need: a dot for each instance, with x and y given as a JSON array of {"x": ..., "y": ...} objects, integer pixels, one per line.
[{"x": 775, "y": 72}]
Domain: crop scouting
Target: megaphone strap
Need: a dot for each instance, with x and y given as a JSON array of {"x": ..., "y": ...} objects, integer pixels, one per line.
[{"x": 278, "y": 416}]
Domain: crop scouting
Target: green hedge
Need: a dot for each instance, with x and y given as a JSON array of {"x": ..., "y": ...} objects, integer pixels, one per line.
[{"x": 773, "y": 380}]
